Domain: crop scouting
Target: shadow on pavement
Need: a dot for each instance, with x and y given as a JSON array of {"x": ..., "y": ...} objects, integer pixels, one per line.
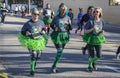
[
  {"x": 16, "y": 23},
  {"x": 9, "y": 32},
  {"x": 19, "y": 65}
]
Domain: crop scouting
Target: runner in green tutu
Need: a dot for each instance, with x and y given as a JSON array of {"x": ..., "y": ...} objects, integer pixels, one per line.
[
  {"x": 94, "y": 37},
  {"x": 88, "y": 16},
  {"x": 61, "y": 24},
  {"x": 48, "y": 15},
  {"x": 33, "y": 37}
]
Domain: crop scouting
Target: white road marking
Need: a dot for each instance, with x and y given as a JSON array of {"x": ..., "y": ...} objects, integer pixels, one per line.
[{"x": 112, "y": 68}]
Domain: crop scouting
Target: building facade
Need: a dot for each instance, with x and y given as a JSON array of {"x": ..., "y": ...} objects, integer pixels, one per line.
[{"x": 111, "y": 13}]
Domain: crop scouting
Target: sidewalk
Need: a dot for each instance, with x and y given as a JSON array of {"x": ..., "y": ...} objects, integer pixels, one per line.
[{"x": 3, "y": 75}]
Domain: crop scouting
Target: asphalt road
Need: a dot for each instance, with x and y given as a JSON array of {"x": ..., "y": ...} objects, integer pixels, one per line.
[{"x": 15, "y": 58}]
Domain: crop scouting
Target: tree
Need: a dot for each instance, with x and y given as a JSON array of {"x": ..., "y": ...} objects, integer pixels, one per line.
[{"x": 39, "y": 3}]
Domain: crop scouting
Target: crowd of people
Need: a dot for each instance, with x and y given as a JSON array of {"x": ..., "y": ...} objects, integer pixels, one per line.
[
  {"x": 35, "y": 33},
  {"x": 19, "y": 9}
]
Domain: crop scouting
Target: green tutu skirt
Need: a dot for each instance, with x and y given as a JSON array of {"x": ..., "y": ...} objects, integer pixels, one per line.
[
  {"x": 60, "y": 37},
  {"x": 94, "y": 40},
  {"x": 47, "y": 21},
  {"x": 33, "y": 44}
]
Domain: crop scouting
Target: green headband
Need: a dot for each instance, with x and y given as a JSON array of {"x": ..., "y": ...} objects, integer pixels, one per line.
[{"x": 63, "y": 7}]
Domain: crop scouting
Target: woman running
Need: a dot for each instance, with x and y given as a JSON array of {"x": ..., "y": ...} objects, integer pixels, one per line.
[
  {"x": 94, "y": 37},
  {"x": 61, "y": 25},
  {"x": 33, "y": 37}
]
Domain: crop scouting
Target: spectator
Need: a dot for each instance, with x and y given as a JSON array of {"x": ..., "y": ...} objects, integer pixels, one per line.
[
  {"x": 70, "y": 14},
  {"x": 79, "y": 17}
]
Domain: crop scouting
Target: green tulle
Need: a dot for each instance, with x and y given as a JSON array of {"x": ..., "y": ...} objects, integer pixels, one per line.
[
  {"x": 60, "y": 37},
  {"x": 32, "y": 44},
  {"x": 94, "y": 40},
  {"x": 47, "y": 21}
]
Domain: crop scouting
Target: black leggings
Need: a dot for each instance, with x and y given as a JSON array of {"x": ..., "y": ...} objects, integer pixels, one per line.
[
  {"x": 48, "y": 30},
  {"x": 79, "y": 26},
  {"x": 35, "y": 55},
  {"x": 59, "y": 46},
  {"x": 86, "y": 47},
  {"x": 118, "y": 50},
  {"x": 3, "y": 18},
  {"x": 92, "y": 49}
]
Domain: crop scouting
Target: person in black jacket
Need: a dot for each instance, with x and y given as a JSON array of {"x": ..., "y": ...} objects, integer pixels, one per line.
[
  {"x": 85, "y": 18},
  {"x": 70, "y": 14},
  {"x": 79, "y": 17}
]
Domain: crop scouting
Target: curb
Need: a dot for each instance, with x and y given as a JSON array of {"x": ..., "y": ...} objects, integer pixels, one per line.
[{"x": 3, "y": 75}]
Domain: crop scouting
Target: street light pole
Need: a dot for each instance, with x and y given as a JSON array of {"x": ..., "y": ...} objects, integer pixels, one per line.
[
  {"x": 29, "y": 7},
  {"x": 6, "y": 2}
]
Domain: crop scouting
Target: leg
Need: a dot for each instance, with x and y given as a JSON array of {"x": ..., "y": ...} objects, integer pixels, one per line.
[
  {"x": 98, "y": 56},
  {"x": 3, "y": 18},
  {"x": 81, "y": 27},
  {"x": 80, "y": 30},
  {"x": 84, "y": 49},
  {"x": 22, "y": 14},
  {"x": 39, "y": 53},
  {"x": 118, "y": 53},
  {"x": 77, "y": 28},
  {"x": 58, "y": 56},
  {"x": 34, "y": 57},
  {"x": 48, "y": 30},
  {"x": 118, "y": 50},
  {"x": 98, "y": 51},
  {"x": 92, "y": 55},
  {"x": 63, "y": 46}
]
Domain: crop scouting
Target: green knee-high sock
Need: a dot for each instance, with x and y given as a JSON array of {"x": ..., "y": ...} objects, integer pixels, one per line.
[
  {"x": 59, "y": 54},
  {"x": 32, "y": 65},
  {"x": 95, "y": 59},
  {"x": 90, "y": 62}
]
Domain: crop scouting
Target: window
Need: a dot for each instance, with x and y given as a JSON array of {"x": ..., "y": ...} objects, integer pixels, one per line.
[{"x": 114, "y": 2}]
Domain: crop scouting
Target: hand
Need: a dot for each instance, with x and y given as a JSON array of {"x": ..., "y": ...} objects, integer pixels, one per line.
[
  {"x": 97, "y": 27},
  {"x": 69, "y": 21},
  {"x": 43, "y": 32},
  {"x": 56, "y": 28},
  {"x": 92, "y": 29},
  {"x": 28, "y": 33},
  {"x": 103, "y": 32}
]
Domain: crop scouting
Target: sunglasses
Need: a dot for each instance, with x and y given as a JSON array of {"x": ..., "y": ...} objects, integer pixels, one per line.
[
  {"x": 35, "y": 14},
  {"x": 96, "y": 11}
]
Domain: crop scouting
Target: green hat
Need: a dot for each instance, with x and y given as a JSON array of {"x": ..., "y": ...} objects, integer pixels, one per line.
[{"x": 35, "y": 10}]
